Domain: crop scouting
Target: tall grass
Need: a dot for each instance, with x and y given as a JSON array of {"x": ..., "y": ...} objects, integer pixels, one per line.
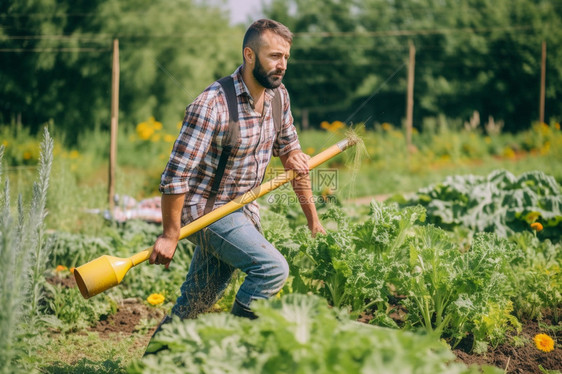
[{"x": 23, "y": 257}]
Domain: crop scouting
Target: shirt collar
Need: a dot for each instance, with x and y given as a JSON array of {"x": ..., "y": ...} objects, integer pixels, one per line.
[{"x": 242, "y": 89}]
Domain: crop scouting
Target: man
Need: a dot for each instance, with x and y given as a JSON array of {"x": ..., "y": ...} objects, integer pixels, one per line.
[{"x": 234, "y": 241}]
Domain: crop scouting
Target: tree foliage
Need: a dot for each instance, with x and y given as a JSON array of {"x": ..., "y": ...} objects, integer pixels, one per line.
[
  {"x": 482, "y": 55},
  {"x": 349, "y": 59},
  {"x": 60, "y": 62}
]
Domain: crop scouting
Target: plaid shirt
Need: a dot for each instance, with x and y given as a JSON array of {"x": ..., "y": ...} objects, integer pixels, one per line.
[{"x": 195, "y": 155}]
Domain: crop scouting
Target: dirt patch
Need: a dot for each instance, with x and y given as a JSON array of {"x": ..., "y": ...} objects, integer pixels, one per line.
[
  {"x": 127, "y": 320},
  {"x": 64, "y": 281},
  {"x": 524, "y": 358}
]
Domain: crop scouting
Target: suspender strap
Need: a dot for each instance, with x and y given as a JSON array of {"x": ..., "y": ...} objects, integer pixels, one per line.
[
  {"x": 233, "y": 132},
  {"x": 277, "y": 112},
  {"x": 227, "y": 84}
]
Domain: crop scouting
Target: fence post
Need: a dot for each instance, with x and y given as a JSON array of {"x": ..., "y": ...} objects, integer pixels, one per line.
[
  {"x": 410, "y": 96},
  {"x": 114, "y": 123},
  {"x": 543, "y": 82}
]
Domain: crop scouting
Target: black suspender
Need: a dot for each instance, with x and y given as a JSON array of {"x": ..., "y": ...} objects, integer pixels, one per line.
[
  {"x": 233, "y": 132},
  {"x": 277, "y": 112}
]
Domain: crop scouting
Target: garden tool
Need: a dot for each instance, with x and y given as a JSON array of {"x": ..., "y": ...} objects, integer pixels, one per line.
[{"x": 108, "y": 271}]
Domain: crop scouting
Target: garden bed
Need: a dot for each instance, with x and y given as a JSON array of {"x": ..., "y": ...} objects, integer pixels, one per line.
[{"x": 525, "y": 358}]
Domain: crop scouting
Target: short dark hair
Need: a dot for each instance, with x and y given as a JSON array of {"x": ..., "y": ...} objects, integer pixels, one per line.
[{"x": 256, "y": 29}]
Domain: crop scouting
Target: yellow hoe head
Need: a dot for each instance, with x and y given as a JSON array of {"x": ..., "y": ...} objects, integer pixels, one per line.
[{"x": 105, "y": 272}]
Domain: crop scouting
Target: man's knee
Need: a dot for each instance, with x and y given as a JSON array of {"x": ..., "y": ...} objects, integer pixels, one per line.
[{"x": 279, "y": 272}]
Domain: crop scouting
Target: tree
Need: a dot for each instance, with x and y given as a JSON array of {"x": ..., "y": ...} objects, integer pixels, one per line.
[
  {"x": 325, "y": 70},
  {"x": 56, "y": 62},
  {"x": 470, "y": 55}
]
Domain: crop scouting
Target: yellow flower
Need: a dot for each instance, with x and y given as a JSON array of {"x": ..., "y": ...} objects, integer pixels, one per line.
[
  {"x": 74, "y": 154},
  {"x": 144, "y": 131},
  {"x": 60, "y": 268},
  {"x": 336, "y": 125},
  {"x": 544, "y": 342},
  {"x": 325, "y": 125},
  {"x": 155, "y": 299},
  {"x": 386, "y": 126},
  {"x": 333, "y": 127},
  {"x": 310, "y": 150},
  {"x": 537, "y": 226},
  {"x": 508, "y": 152},
  {"x": 278, "y": 296},
  {"x": 72, "y": 269},
  {"x": 26, "y": 155},
  {"x": 157, "y": 125},
  {"x": 557, "y": 126}
]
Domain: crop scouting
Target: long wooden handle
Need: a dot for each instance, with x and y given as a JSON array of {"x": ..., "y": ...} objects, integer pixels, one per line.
[{"x": 250, "y": 196}]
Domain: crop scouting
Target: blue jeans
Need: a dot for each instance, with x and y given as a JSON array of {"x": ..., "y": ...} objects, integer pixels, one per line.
[{"x": 233, "y": 242}]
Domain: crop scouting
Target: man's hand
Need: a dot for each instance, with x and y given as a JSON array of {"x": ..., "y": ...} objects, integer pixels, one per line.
[
  {"x": 166, "y": 244},
  {"x": 298, "y": 162},
  {"x": 163, "y": 252},
  {"x": 316, "y": 228}
]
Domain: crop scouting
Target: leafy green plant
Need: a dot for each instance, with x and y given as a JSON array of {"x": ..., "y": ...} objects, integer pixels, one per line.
[
  {"x": 500, "y": 203},
  {"x": 67, "y": 311},
  {"x": 294, "y": 334},
  {"x": 536, "y": 276},
  {"x": 373, "y": 264},
  {"x": 73, "y": 249},
  {"x": 449, "y": 289},
  {"x": 350, "y": 265},
  {"x": 494, "y": 325},
  {"x": 450, "y": 286}
]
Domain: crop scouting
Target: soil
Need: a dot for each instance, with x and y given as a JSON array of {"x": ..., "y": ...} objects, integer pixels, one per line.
[
  {"x": 124, "y": 323},
  {"x": 127, "y": 319},
  {"x": 64, "y": 281},
  {"x": 526, "y": 358}
]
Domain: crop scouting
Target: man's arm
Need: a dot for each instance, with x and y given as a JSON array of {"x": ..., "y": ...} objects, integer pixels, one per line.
[
  {"x": 165, "y": 245},
  {"x": 298, "y": 161}
]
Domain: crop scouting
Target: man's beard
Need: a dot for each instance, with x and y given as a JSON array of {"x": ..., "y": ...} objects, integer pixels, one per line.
[{"x": 268, "y": 80}]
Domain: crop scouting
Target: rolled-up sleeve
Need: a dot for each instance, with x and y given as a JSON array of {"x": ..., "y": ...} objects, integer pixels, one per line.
[
  {"x": 287, "y": 140},
  {"x": 192, "y": 144}
]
